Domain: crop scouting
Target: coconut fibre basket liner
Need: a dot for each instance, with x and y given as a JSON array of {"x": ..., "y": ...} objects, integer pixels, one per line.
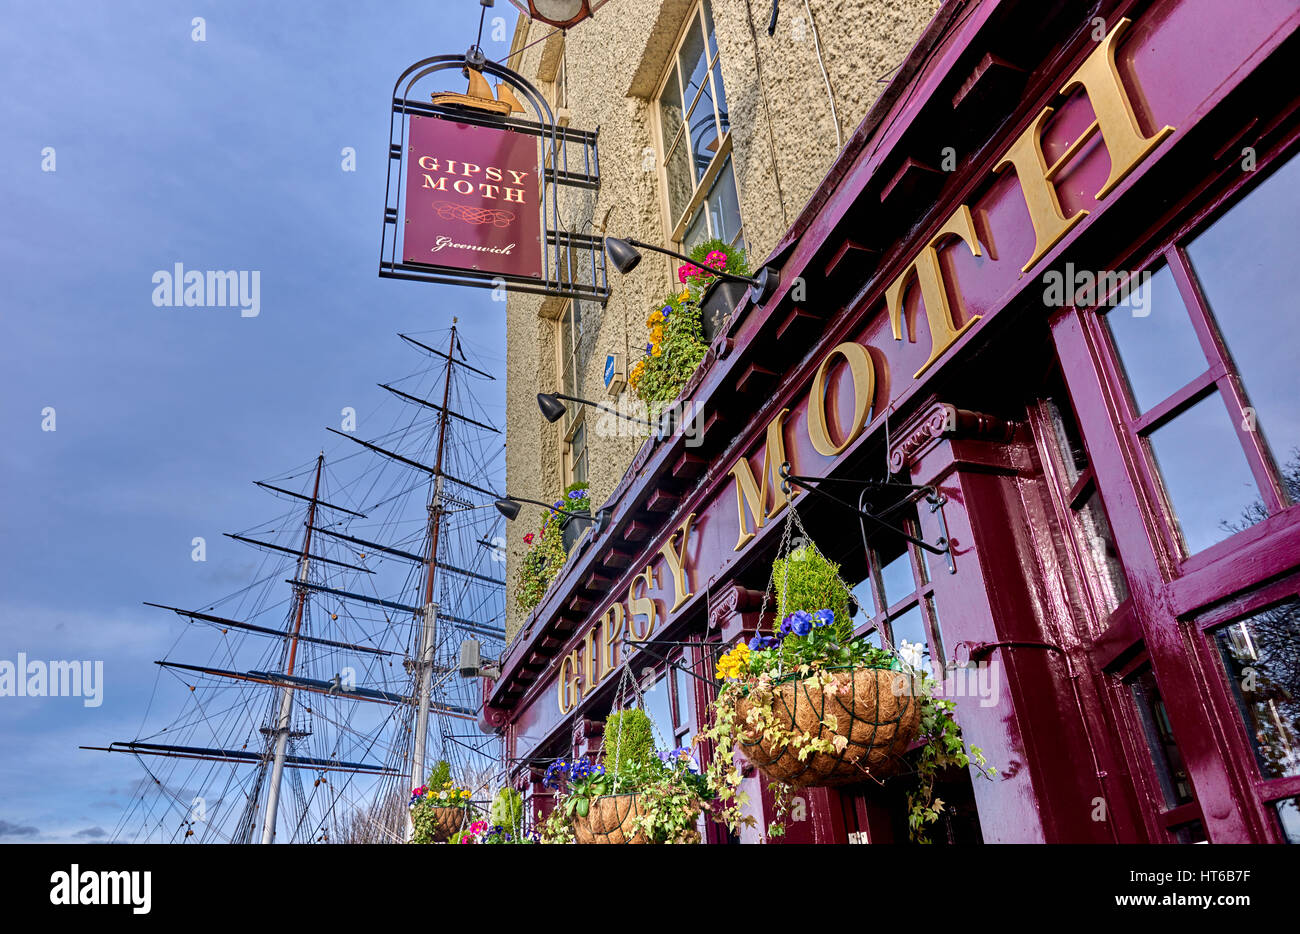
[
  {"x": 610, "y": 820},
  {"x": 874, "y": 709},
  {"x": 446, "y": 822}
]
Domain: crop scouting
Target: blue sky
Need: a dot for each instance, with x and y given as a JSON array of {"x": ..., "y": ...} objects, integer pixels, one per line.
[{"x": 220, "y": 154}]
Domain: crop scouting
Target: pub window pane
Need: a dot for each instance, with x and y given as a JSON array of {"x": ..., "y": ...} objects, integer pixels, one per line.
[
  {"x": 698, "y": 229},
  {"x": 680, "y": 185},
  {"x": 578, "y": 454},
  {"x": 1100, "y": 542},
  {"x": 694, "y": 66},
  {"x": 895, "y": 570},
  {"x": 1165, "y": 755},
  {"x": 656, "y": 704},
  {"x": 1262, "y": 658},
  {"x": 1246, "y": 265},
  {"x": 909, "y": 626},
  {"x": 1288, "y": 815},
  {"x": 685, "y": 695},
  {"x": 721, "y": 96},
  {"x": 1069, "y": 442},
  {"x": 724, "y": 205},
  {"x": 936, "y": 633},
  {"x": 708, "y": 28},
  {"x": 670, "y": 109},
  {"x": 866, "y": 602},
  {"x": 1191, "y": 832},
  {"x": 1206, "y": 476},
  {"x": 704, "y": 132},
  {"x": 1155, "y": 341}
]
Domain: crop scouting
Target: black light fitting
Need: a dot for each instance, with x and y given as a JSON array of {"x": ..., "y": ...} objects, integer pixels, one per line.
[{"x": 625, "y": 256}]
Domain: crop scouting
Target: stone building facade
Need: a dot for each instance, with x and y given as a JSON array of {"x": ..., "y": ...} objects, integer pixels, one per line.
[{"x": 783, "y": 106}]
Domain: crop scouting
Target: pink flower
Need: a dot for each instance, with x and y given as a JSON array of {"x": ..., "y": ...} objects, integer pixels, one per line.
[
  {"x": 478, "y": 827},
  {"x": 528, "y": 539},
  {"x": 466, "y": 840},
  {"x": 686, "y": 270}
]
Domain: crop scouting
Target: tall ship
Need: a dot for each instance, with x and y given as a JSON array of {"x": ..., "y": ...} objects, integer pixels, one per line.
[{"x": 305, "y": 706}]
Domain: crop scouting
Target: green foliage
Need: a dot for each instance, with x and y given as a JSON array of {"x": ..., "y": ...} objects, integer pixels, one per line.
[
  {"x": 675, "y": 346},
  {"x": 507, "y": 810},
  {"x": 440, "y": 775},
  {"x": 629, "y": 744},
  {"x": 808, "y": 581},
  {"x": 541, "y": 564},
  {"x": 944, "y": 748},
  {"x": 672, "y": 796},
  {"x": 579, "y": 503},
  {"x": 668, "y": 365}
]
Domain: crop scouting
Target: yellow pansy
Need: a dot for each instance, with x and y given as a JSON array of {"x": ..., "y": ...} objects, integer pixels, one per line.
[
  {"x": 734, "y": 663},
  {"x": 686, "y": 293}
]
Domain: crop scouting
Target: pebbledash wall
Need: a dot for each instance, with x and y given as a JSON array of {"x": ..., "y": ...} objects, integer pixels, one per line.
[
  {"x": 775, "y": 115},
  {"x": 1051, "y": 277}
]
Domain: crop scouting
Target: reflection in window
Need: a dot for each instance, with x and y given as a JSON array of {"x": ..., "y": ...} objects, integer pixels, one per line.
[
  {"x": 910, "y": 639},
  {"x": 1245, "y": 263},
  {"x": 896, "y": 571},
  {"x": 1074, "y": 458},
  {"x": 658, "y": 708},
  {"x": 891, "y": 584},
  {"x": 1168, "y": 761},
  {"x": 1155, "y": 341},
  {"x": 1080, "y": 493},
  {"x": 1191, "y": 832},
  {"x": 1262, "y": 657},
  {"x": 1205, "y": 474},
  {"x": 1288, "y": 815},
  {"x": 1100, "y": 542}
]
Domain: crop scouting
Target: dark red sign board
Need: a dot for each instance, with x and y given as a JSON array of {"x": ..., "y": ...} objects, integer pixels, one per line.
[{"x": 472, "y": 198}]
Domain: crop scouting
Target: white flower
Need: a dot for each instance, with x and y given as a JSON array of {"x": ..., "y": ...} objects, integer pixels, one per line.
[{"x": 910, "y": 653}]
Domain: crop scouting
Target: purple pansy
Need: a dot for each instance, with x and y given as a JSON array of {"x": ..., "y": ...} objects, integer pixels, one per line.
[
  {"x": 759, "y": 643},
  {"x": 823, "y": 617}
]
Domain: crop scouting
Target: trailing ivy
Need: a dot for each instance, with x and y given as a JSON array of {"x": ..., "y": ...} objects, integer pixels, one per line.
[{"x": 675, "y": 346}]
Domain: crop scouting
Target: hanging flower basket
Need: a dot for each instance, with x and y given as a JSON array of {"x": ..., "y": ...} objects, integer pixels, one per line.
[
  {"x": 876, "y": 716},
  {"x": 446, "y": 822},
  {"x": 611, "y": 819}
]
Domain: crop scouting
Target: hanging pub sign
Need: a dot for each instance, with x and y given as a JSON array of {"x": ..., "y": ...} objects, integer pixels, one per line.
[
  {"x": 475, "y": 183},
  {"x": 472, "y": 198}
]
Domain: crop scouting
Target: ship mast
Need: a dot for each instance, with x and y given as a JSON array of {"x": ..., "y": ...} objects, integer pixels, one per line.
[
  {"x": 286, "y": 698},
  {"x": 424, "y": 657}
]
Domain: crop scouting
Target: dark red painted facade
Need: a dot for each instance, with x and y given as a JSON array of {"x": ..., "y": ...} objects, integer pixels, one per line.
[{"x": 1145, "y": 644}]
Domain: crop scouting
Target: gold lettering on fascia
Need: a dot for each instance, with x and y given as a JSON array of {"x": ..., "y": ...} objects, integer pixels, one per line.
[
  {"x": 763, "y": 501},
  {"x": 1113, "y": 117}
]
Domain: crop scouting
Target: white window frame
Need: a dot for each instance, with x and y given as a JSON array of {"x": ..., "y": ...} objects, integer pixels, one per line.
[{"x": 675, "y": 227}]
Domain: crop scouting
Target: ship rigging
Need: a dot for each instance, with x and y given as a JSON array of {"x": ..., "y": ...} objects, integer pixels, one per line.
[{"x": 312, "y": 717}]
